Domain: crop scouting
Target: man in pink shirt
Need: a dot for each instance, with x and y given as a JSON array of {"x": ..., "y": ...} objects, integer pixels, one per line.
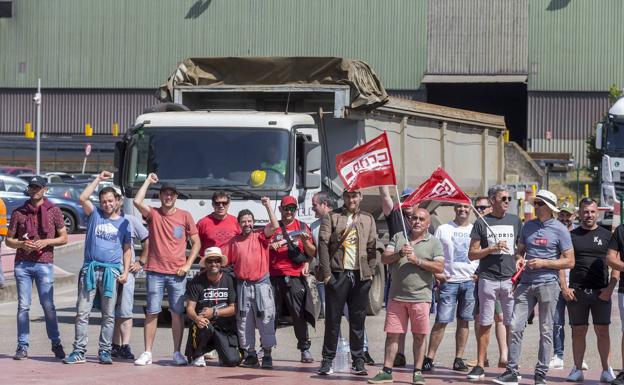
[
  {"x": 167, "y": 266},
  {"x": 255, "y": 306},
  {"x": 218, "y": 228}
]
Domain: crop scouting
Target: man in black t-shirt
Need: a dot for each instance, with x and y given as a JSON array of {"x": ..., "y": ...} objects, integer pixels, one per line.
[
  {"x": 211, "y": 306},
  {"x": 590, "y": 289},
  {"x": 615, "y": 260}
]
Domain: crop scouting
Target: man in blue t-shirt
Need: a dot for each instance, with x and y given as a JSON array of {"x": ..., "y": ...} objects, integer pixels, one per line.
[
  {"x": 544, "y": 248},
  {"x": 106, "y": 261}
]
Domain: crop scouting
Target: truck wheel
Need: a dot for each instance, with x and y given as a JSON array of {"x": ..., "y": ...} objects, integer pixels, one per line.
[{"x": 376, "y": 293}]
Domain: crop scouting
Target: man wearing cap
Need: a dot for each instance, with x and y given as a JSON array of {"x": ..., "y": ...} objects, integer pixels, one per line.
[
  {"x": 170, "y": 228},
  {"x": 211, "y": 297},
  {"x": 492, "y": 242},
  {"x": 589, "y": 290},
  {"x": 107, "y": 258},
  {"x": 288, "y": 275},
  {"x": 218, "y": 227},
  {"x": 347, "y": 257},
  {"x": 35, "y": 228},
  {"x": 544, "y": 248}
]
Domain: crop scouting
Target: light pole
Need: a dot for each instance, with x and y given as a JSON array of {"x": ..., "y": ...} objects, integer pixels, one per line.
[{"x": 37, "y": 100}]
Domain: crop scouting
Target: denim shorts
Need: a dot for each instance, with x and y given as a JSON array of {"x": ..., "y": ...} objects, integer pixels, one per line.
[
  {"x": 156, "y": 285},
  {"x": 125, "y": 298},
  {"x": 455, "y": 298}
]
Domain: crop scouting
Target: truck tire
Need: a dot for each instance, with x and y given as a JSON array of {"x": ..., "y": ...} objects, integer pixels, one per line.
[{"x": 376, "y": 293}]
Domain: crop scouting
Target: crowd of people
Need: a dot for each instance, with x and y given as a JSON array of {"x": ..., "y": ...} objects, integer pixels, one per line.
[{"x": 494, "y": 271}]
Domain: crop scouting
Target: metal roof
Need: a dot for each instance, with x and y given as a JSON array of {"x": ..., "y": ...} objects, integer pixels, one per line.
[{"x": 429, "y": 78}]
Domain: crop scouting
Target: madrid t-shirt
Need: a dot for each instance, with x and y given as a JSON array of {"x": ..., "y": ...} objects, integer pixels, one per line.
[
  {"x": 499, "y": 266},
  {"x": 106, "y": 237},
  {"x": 544, "y": 240},
  {"x": 280, "y": 263},
  {"x": 168, "y": 235},
  {"x": 250, "y": 256},
  {"x": 590, "y": 269},
  {"x": 455, "y": 243},
  {"x": 206, "y": 294},
  {"x": 217, "y": 232}
]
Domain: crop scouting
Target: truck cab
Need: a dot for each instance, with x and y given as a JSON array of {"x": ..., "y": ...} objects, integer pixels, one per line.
[{"x": 610, "y": 138}]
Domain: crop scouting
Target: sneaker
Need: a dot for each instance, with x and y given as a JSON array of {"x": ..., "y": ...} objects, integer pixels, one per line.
[
  {"x": 115, "y": 350},
  {"x": 459, "y": 365},
  {"x": 74, "y": 358},
  {"x": 306, "y": 357},
  {"x": 381, "y": 378},
  {"x": 476, "y": 374},
  {"x": 575, "y": 375},
  {"x": 105, "y": 357},
  {"x": 125, "y": 353},
  {"x": 607, "y": 375},
  {"x": 619, "y": 380},
  {"x": 179, "y": 359},
  {"x": 250, "y": 361},
  {"x": 21, "y": 353},
  {"x": 584, "y": 365},
  {"x": 539, "y": 379},
  {"x": 58, "y": 351},
  {"x": 358, "y": 367},
  {"x": 507, "y": 378},
  {"x": 417, "y": 378},
  {"x": 267, "y": 361},
  {"x": 326, "y": 367},
  {"x": 399, "y": 360},
  {"x": 427, "y": 364},
  {"x": 144, "y": 359},
  {"x": 211, "y": 355},
  {"x": 368, "y": 360},
  {"x": 556, "y": 363},
  {"x": 199, "y": 362}
]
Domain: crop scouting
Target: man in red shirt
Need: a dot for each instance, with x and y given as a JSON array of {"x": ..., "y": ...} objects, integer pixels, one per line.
[
  {"x": 218, "y": 228},
  {"x": 289, "y": 286},
  {"x": 255, "y": 303}
]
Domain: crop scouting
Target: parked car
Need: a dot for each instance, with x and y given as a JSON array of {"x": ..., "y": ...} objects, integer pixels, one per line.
[
  {"x": 13, "y": 193},
  {"x": 15, "y": 170},
  {"x": 65, "y": 177},
  {"x": 50, "y": 178}
]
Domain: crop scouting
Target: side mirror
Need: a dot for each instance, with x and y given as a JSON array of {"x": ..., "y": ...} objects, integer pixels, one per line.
[
  {"x": 599, "y": 136},
  {"x": 120, "y": 153},
  {"x": 311, "y": 165}
]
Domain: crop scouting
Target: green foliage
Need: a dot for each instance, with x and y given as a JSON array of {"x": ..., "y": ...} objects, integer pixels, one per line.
[
  {"x": 594, "y": 156},
  {"x": 614, "y": 93}
]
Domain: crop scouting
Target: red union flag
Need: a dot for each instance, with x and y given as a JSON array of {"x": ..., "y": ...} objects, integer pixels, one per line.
[
  {"x": 367, "y": 165},
  {"x": 439, "y": 187}
]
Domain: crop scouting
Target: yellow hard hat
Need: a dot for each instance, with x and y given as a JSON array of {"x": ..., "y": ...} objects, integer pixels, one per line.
[{"x": 257, "y": 178}]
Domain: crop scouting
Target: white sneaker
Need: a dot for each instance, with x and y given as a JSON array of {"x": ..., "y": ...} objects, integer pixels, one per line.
[
  {"x": 199, "y": 361},
  {"x": 211, "y": 355},
  {"x": 607, "y": 375},
  {"x": 575, "y": 375},
  {"x": 179, "y": 359},
  {"x": 144, "y": 359},
  {"x": 584, "y": 366},
  {"x": 556, "y": 363}
]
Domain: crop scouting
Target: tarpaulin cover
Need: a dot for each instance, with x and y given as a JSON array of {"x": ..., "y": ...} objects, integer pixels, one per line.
[{"x": 367, "y": 92}]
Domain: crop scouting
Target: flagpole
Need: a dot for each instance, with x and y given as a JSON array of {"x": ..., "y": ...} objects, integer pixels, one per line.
[
  {"x": 396, "y": 189},
  {"x": 486, "y": 224}
]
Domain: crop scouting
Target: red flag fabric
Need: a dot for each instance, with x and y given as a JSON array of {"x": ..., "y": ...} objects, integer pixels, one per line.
[
  {"x": 367, "y": 165},
  {"x": 439, "y": 187}
]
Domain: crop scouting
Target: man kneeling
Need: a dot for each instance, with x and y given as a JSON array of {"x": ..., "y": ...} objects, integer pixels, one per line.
[{"x": 211, "y": 297}]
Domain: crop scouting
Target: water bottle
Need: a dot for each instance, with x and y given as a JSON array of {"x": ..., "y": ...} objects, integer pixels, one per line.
[{"x": 343, "y": 355}]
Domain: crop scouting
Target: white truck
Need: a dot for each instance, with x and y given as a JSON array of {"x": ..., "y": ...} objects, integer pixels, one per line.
[
  {"x": 610, "y": 138},
  {"x": 257, "y": 139}
]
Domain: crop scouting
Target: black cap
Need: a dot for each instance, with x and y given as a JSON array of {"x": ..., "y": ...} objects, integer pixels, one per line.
[
  {"x": 169, "y": 186},
  {"x": 38, "y": 181}
]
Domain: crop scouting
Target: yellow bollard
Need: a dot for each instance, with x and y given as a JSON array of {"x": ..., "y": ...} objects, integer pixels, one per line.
[
  {"x": 506, "y": 136},
  {"x": 88, "y": 130},
  {"x": 28, "y": 131},
  {"x": 115, "y": 129},
  {"x": 586, "y": 190}
]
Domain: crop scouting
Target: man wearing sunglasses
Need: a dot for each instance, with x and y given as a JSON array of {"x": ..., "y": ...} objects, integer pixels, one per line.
[
  {"x": 218, "y": 228},
  {"x": 544, "y": 248},
  {"x": 493, "y": 246},
  {"x": 288, "y": 276}
]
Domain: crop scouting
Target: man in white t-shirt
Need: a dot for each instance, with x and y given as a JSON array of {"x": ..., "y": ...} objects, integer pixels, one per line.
[{"x": 456, "y": 295}]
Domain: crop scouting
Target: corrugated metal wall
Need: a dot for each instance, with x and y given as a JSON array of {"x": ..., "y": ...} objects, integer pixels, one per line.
[
  {"x": 137, "y": 44},
  {"x": 67, "y": 111},
  {"x": 570, "y": 117},
  {"x": 575, "y": 45},
  {"x": 477, "y": 37}
]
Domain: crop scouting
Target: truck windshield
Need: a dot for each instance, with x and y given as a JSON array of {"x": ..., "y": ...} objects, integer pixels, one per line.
[
  {"x": 201, "y": 157},
  {"x": 615, "y": 137}
]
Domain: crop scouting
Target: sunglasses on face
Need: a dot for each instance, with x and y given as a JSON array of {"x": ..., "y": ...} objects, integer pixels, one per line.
[
  {"x": 482, "y": 208},
  {"x": 291, "y": 209},
  {"x": 505, "y": 199},
  {"x": 220, "y": 204},
  {"x": 538, "y": 203}
]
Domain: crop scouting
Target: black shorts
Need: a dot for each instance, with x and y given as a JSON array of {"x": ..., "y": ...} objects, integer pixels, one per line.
[{"x": 587, "y": 300}]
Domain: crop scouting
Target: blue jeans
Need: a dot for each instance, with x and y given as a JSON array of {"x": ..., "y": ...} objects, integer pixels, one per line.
[
  {"x": 43, "y": 275},
  {"x": 456, "y": 298},
  {"x": 558, "y": 329},
  {"x": 176, "y": 288}
]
